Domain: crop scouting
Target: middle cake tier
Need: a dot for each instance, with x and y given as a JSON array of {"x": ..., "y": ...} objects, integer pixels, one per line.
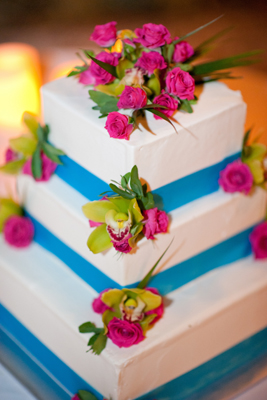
[{"x": 206, "y": 233}]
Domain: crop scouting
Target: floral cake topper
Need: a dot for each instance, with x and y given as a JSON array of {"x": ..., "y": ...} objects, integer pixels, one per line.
[
  {"x": 123, "y": 218},
  {"x": 243, "y": 176},
  {"x": 18, "y": 230},
  {"x": 31, "y": 153},
  {"x": 126, "y": 314},
  {"x": 147, "y": 70}
]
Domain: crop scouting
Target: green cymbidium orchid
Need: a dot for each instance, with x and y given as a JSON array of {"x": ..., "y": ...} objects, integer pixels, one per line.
[
  {"x": 8, "y": 208},
  {"x": 129, "y": 304},
  {"x": 254, "y": 156},
  {"x": 120, "y": 218}
]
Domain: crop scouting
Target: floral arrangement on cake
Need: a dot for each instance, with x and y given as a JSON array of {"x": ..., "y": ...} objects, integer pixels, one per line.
[
  {"x": 31, "y": 153},
  {"x": 124, "y": 217},
  {"x": 242, "y": 176},
  {"x": 84, "y": 395},
  {"x": 18, "y": 230},
  {"x": 126, "y": 314},
  {"x": 147, "y": 70}
]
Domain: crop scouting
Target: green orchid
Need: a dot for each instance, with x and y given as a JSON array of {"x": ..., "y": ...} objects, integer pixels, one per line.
[
  {"x": 7, "y": 208},
  {"x": 254, "y": 156},
  {"x": 120, "y": 220}
]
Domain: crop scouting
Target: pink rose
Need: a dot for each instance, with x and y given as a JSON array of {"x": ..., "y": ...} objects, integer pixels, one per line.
[
  {"x": 152, "y": 35},
  {"x": 159, "y": 310},
  {"x": 48, "y": 168},
  {"x": 18, "y": 231},
  {"x": 98, "y": 305},
  {"x": 118, "y": 126},
  {"x": 168, "y": 101},
  {"x": 124, "y": 333},
  {"x": 123, "y": 246},
  {"x": 236, "y": 177},
  {"x": 155, "y": 221},
  {"x": 180, "y": 83},
  {"x": 105, "y": 35},
  {"x": 132, "y": 97},
  {"x": 75, "y": 397},
  {"x": 182, "y": 51},
  {"x": 86, "y": 77},
  {"x": 99, "y": 74},
  {"x": 151, "y": 61},
  {"x": 258, "y": 240},
  {"x": 11, "y": 155}
]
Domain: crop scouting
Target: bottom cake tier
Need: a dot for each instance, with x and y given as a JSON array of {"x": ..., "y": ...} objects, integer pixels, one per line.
[{"x": 211, "y": 339}]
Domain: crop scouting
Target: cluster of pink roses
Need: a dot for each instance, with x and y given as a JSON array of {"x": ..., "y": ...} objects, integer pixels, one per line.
[{"x": 147, "y": 58}]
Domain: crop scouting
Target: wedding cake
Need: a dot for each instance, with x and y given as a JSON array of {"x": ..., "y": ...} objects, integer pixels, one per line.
[{"x": 213, "y": 329}]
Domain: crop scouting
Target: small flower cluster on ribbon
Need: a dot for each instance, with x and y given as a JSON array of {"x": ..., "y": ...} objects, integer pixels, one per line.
[
  {"x": 147, "y": 70},
  {"x": 126, "y": 314},
  {"x": 242, "y": 176},
  {"x": 31, "y": 153},
  {"x": 18, "y": 231},
  {"x": 122, "y": 219}
]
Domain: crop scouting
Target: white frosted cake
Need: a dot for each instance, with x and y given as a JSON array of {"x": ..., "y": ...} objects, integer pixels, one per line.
[{"x": 213, "y": 330}]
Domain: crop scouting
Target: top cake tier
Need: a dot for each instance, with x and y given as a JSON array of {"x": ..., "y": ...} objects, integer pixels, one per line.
[{"x": 203, "y": 139}]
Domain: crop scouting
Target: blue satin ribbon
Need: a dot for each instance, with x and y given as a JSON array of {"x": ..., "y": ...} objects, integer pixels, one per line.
[
  {"x": 168, "y": 197},
  {"x": 226, "y": 252},
  {"x": 20, "y": 344}
]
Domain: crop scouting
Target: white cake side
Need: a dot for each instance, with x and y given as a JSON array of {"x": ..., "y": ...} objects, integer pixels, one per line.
[
  {"x": 202, "y": 320},
  {"x": 195, "y": 227},
  {"x": 211, "y": 133}
]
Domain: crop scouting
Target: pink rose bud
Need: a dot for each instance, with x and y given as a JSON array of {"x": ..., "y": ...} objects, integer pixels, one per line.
[
  {"x": 236, "y": 177},
  {"x": 151, "y": 61},
  {"x": 258, "y": 240},
  {"x": 105, "y": 35},
  {"x": 182, "y": 51},
  {"x": 180, "y": 83},
  {"x": 48, "y": 168},
  {"x": 132, "y": 97},
  {"x": 168, "y": 101},
  {"x": 18, "y": 231},
  {"x": 118, "y": 126},
  {"x": 99, "y": 74},
  {"x": 155, "y": 221},
  {"x": 152, "y": 35},
  {"x": 159, "y": 310},
  {"x": 11, "y": 155},
  {"x": 86, "y": 77},
  {"x": 98, "y": 305},
  {"x": 124, "y": 333}
]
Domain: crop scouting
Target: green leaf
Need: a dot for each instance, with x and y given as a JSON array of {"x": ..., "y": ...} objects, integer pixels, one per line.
[
  {"x": 99, "y": 240},
  {"x": 107, "y": 67},
  {"x": 96, "y": 210},
  {"x": 148, "y": 201},
  {"x": 196, "y": 30},
  {"x": 121, "y": 192},
  {"x": 30, "y": 120},
  {"x": 99, "y": 344},
  {"x": 136, "y": 228},
  {"x": 147, "y": 278},
  {"x": 154, "y": 84},
  {"x": 106, "y": 102},
  {"x": 147, "y": 321},
  {"x": 40, "y": 133},
  {"x": 52, "y": 152},
  {"x": 186, "y": 106},
  {"x": 163, "y": 116},
  {"x": 7, "y": 208},
  {"x": 135, "y": 182},
  {"x": 24, "y": 145},
  {"x": 226, "y": 63},
  {"x": 37, "y": 163},
  {"x": 13, "y": 167},
  {"x": 78, "y": 69},
  {"x": 84, "y": 395},
  {"x": 89, "y": 327},
  {"x": 88, "y": 53}
]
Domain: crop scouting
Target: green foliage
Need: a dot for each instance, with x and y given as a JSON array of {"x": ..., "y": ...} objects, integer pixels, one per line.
[
  {"x": 13, "y": 167},
  {"x": 163, "y": 116},
  {"x": 105, "y": 103},
  {"x": 131, "y": 187},
  {"x": 107, "y": 67},
  {"x": 24, "y": 145},
  {"x": 77, "y": 70},
  {"x": 52, "y": 152},
  {"x": 98, "y": 341},
  {"x": 37, "y": 162},
  {"x": 186, "y": 106},
  {"x": 89, "y": 327},
  {"x": 84, "y": 395}
]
